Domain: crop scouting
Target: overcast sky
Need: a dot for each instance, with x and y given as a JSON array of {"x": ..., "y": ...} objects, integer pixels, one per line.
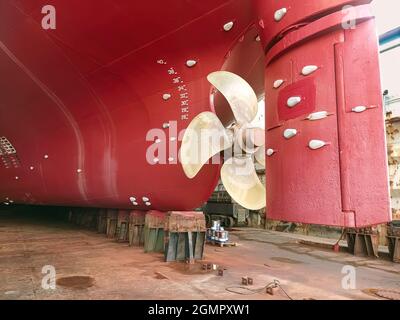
[
  {"x": 387, "y": 18},
  {"x": 387, "y": 14}
]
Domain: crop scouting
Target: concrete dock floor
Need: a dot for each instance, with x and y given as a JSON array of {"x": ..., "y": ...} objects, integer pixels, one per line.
[{"x": 116, "y": 271}]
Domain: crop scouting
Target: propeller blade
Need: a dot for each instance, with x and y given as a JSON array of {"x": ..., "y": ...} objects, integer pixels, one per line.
[
  {"x": 260, "y": 156},
  {"x": 204, "y": 138},
  {"x": 242, "y": 183},
  {"x": 239, "y": 94}
]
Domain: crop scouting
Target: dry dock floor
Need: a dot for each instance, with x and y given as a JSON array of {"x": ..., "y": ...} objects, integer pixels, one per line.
[{"x": 112, "y": 270}]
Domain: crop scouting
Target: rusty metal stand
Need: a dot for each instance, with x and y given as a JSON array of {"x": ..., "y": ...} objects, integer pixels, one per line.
[
  {"x": 363, "y": 242},
  {"x": 394, "y": 248},
  {"x": 102, "y": 221},
  {"x": 153, "y": 239},
  {"x": 112, "y": 218},
  {"x": 89, "y": 218},
  {"x": 121, "y": 232},
  {"x": 185, "y": 236},
  {"x": 136, "y": 228},
  {"x": 85, "y": 217},
  {"x": 184, "y": 246},
  {"x": 154, "y": 231},
  {"x": 394, "y": 243}
]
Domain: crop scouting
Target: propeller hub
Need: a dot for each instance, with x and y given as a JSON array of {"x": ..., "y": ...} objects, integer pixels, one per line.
[{"x": 249, "y": 138}]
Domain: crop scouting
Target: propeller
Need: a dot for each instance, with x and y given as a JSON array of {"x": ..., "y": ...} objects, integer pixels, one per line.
[{"x": 206, "y": 137}]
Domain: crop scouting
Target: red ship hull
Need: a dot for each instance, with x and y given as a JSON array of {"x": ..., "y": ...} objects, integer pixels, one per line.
[
  {"x": 77, "y": 103},
  {"x": 87, "y": 94}
]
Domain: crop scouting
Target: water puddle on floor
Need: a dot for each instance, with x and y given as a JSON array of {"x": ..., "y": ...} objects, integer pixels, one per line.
[{"x": 76, "y": 282}]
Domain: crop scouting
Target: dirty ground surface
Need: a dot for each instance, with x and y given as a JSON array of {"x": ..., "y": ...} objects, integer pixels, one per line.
[{"x": 90, "y": 266}]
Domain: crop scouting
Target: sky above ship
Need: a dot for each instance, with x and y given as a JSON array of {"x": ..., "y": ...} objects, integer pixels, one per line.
[{"x": 387, "y": 18}]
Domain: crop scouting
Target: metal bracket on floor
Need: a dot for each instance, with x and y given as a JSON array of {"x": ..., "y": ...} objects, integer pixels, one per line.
[{"x": 363, "y": 242}]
